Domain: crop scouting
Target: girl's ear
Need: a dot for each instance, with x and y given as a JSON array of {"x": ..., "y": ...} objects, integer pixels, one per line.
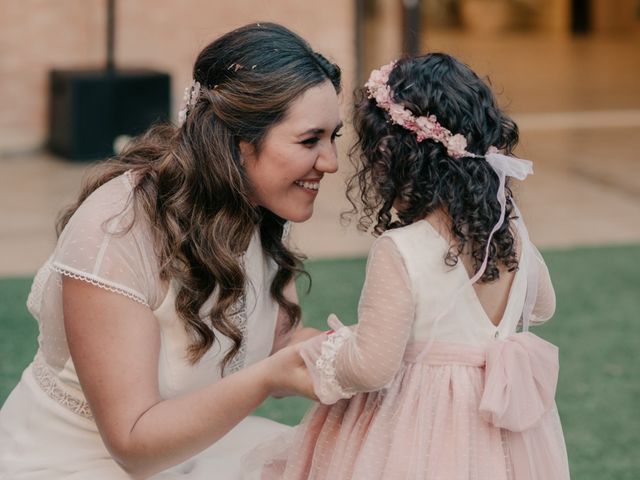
[{"x": 247, "y": 152}]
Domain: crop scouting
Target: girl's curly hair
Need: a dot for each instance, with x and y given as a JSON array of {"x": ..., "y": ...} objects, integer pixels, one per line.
[{"x": 392, "y": 166}]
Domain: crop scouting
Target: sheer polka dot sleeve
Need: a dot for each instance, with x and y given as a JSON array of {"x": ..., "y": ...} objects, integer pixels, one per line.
[
  {"x": 367, "y": 357},
  {"x": 545, "y": 305},
  {"x": 106, "y": 245}
]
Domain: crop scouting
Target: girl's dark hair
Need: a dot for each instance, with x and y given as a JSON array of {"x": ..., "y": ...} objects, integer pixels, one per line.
[
  {"x": 193, "y": 188},
  {"x": 391, "y": 165}
]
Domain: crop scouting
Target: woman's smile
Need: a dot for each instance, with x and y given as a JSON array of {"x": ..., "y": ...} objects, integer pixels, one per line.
[
  {"x": 296, "y": 154},
  {"x": 312, "y": 186}
]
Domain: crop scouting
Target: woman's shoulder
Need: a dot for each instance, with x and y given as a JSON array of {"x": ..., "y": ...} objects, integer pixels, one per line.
[
  {"x": 111, "y": 197},
  {"x": 107, "y": 213},
  {"x": 109, "y": 243},
  {"x": 109, "y": 206}
]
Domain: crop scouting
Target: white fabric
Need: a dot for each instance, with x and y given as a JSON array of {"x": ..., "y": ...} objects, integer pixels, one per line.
[
  {"x": 46, "y": 429},
  {"x": 328, "y": 387},
  {"x": 407, "y": 288},
  {"x": 408, "y": 416}
]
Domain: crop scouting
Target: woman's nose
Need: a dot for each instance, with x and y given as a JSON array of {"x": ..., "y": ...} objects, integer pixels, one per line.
[{"x": 327, "y": 161}]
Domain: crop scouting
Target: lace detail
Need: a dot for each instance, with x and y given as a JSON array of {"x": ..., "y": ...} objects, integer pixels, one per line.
[
  {"x": 85, "y": 277},
  {"x": 326, "y": 365},
  {"x": 50, "y": 385},
  {"x": 239, "y": 319},
  {"x": 286, "y": 229}
]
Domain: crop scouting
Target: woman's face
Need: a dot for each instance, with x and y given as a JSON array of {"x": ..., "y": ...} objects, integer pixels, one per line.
[{"x": 295, "y": 155}]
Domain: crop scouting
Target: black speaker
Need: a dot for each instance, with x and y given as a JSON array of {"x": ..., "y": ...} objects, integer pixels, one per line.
[{"x": 90, "y": 108}]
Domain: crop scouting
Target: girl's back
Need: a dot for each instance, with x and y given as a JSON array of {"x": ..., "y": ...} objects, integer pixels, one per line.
[
  {"x": 466, "y": 313},
  {"x": 448, "y": 308}
]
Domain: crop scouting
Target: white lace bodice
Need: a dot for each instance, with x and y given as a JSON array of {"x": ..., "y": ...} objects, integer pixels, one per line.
[{"x": 98, "y": 247}]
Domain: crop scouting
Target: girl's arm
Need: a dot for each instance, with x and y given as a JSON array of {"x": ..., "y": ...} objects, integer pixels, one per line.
[
  {"x": 368, "y": 357},
  {"x": 115, "y": 342},
  {"x": 545, "y": 305}
]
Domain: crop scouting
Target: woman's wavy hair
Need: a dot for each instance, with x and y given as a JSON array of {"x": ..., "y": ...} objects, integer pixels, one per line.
[
  {"x": 193, "y": 188},
  {"x": 392, "y": 166}
]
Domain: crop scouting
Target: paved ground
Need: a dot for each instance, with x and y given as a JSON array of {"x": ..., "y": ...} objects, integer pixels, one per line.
[{"x": 578, "y": 106}]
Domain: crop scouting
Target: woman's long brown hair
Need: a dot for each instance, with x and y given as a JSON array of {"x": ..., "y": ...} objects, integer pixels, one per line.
[{"x": 192, "y": 187}]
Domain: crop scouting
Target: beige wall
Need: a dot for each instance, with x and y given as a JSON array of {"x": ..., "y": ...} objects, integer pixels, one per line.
[
  {"x": 37, "y": 35},
  {"x": 615, "y": 16},
  {"x": 554, "y": 15},
  {"x": 382, "y": 34}
]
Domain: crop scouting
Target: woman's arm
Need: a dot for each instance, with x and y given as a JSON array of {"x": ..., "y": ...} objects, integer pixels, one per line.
[{"x": 115, "y": 343}]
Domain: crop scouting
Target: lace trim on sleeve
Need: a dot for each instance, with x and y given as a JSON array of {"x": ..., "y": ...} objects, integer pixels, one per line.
[
  {"x": 98, "y": 282},
  {"x": 326, "y": 365}
]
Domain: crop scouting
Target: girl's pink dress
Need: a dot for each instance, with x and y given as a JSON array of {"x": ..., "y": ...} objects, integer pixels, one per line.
[{"x": 426, "y": 387}]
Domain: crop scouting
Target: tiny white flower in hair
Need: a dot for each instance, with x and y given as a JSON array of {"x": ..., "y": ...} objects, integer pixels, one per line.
[{"x": 190, "y": 98}]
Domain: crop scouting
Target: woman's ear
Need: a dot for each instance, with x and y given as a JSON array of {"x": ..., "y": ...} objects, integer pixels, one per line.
[{"x": 247, "y": 152}]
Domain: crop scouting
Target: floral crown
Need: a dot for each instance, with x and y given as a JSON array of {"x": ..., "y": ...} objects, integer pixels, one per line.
[{"x": 425, "y": 127}]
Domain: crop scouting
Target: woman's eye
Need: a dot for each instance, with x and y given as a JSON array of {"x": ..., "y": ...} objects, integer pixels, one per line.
[
  {"x": 310, "y": 142},
  {"x": 335, "y": 135}
]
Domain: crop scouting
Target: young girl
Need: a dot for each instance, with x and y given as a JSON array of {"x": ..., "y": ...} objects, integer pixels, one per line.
[{"x": 434, "y": 382}]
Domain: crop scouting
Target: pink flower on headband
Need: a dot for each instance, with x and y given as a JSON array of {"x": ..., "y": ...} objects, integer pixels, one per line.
[{"x": 425, "y": 127}]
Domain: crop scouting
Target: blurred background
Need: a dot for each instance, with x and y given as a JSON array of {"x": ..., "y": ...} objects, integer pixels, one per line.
[{"x": 568, "y": 71}]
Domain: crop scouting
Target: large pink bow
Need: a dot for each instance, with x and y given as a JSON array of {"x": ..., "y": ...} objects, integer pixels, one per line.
[
  {"x": 520, "y": 381},
  {"x": 520, "y": 385}
]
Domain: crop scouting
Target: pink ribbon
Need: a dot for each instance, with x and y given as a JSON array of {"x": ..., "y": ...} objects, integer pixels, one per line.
[
  {"x": 520, "y": 381},
  {"x": 521, "y": 375}
]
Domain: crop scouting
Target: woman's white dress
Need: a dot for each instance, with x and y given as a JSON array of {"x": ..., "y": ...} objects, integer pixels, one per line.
[{"x": 46, "y": 427}]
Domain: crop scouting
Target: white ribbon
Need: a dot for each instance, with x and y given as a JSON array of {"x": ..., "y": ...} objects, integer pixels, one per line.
[
  {"x": 504, "y": 166},
  {"x": 509, "y": 166}
]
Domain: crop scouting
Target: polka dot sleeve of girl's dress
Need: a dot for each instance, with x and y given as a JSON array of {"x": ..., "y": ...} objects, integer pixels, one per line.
[
  {"x": 367, "y": 357},
  {"x": 545, "y": 305}
]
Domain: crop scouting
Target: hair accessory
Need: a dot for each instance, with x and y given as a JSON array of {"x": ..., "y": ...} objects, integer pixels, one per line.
[
  {"x": 425, "y": 127},
  {"x": 191, "y": 94}
]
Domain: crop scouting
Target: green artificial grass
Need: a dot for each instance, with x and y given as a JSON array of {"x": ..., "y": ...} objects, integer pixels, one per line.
[
  {"x": 596, "y": 327},
  {"x": 18, "y": 332}
]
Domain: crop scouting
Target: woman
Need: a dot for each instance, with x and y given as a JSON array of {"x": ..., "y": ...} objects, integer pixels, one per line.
[{"x": 170, "y": 285}]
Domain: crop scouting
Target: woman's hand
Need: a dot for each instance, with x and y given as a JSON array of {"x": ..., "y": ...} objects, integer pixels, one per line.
[{"x": 288, "y": 373}]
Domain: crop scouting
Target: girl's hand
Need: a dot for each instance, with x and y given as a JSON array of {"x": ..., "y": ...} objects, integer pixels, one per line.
[{"x": 288, "y": 374}]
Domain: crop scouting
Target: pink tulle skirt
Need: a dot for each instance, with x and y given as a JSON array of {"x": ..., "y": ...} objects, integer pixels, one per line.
[{"x": 427, "y": 424}]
